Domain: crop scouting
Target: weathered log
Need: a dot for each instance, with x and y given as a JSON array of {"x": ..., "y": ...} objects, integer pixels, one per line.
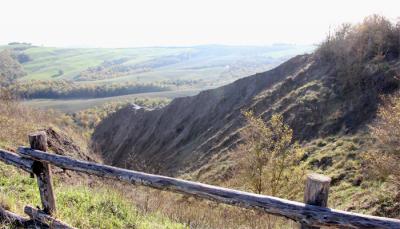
[
  {"x": 42, "y": 171},
  {"x": 316, "y": 193},
  {"x": 16, "y": 160},
  {"x": 42, "y": 217},
  {"x": 12, "y": 219},
  {"x": 300, "y": 212}
]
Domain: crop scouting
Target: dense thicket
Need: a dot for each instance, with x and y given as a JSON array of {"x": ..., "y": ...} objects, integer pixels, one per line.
[
  {"x": 362, "y": 50},
  {"x": 110, "y": 69},
  {"x": 58, "y": 89}
]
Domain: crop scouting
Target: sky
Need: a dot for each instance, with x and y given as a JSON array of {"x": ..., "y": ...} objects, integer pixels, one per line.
[{"x": 135, "y": 23}]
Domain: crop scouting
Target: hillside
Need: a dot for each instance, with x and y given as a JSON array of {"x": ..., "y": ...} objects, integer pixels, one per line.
[
  {"x": 328, "y": 98},
  {"x": 78, "y": 202},
  {"x": 192, "y": 129},
  {"x": 10, "y": 69}
]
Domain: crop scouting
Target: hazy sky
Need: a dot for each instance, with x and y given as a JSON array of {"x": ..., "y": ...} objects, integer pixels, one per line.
[{"x": 123, "y": 23}]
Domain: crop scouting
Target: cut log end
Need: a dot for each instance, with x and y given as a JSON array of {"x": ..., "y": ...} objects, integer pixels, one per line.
[
  {"x": 319, "y": 178},
  {"x": 38, "y": 140},
  {"x": 316, "y": 192}
]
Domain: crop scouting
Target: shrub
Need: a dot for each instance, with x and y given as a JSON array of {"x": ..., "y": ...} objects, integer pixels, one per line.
[
  {"x": 360, "y": 50},
  {"x": 386, "y": 130},
  {"x": 376, "y": 37},
  {"x": 269, "y": 156}
]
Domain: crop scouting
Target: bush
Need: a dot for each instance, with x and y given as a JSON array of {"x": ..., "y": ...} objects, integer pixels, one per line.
[
  {"x": 361, "y": 50},
  {"x": 375, "y": 38},
  {"x": 268, "y": 157},
  {"x": 383, "y": 163}
]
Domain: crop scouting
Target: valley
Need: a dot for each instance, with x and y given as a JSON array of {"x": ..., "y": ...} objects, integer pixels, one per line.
[
  {"x": 75, "y": 105},
  {"x": 256, "y": 119},
  {"x": 57, "y": 74}
]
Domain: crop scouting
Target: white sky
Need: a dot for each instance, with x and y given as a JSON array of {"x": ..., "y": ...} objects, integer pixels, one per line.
[{"x": 127, "y": 23}]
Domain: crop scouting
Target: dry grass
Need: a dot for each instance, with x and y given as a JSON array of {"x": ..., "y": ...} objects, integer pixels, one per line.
[
  {"x": 197, "y": 213},
  {"x": 17, "y": 121}
]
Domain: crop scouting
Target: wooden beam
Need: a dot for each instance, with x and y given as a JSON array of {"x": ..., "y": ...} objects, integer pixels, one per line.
[
  {"x": 16, "y": 160},
  {"x": 42, "y": 171},
  {"x": 300, "y": 212},
  {"x": 316, "y": 193},
  {"x": 42, "y": 217},
  {"x": 13, "y": 219}
]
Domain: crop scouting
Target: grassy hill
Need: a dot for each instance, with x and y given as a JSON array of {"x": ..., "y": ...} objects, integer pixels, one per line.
[
  {"x": 166, "y": 63},
  {"x": 138, "y": 70},
  {"x": 82, "y": 201}
]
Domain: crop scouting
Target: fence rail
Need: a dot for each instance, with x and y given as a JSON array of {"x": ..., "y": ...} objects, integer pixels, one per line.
[{"x": 310, "y": 216}]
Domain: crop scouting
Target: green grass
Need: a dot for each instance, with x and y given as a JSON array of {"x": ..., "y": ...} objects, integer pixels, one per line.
[
  {"x": 198, "y": 61},
  {"x": 340, "y": 158},
  {"x": 79, "y": 206},
  {"x": 47, "y": 61},
  {"x": 209, "y": 66}
]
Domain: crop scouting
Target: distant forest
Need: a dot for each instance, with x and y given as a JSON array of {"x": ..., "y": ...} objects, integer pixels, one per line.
[{"x": 58, "y": 89}]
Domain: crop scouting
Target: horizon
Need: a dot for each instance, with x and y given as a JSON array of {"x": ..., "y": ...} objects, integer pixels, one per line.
[
  {"x": 178, "y": 23},
  {"x": 155, "y": 46}
]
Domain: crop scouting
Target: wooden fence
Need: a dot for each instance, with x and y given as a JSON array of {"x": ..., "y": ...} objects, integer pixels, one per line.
[{"x": 311, "y": 214}]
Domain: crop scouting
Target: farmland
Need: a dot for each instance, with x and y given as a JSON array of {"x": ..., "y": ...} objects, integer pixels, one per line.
[{"x": 61, "y": 78}]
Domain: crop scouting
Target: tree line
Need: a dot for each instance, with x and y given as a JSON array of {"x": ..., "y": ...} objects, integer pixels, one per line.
[{"x": 64, "y": 89}]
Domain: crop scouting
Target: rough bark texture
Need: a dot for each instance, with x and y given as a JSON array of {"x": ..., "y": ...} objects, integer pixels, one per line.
[
  {"x": 303, "y": 213},
  {"x": 42, "y": 171},
  {"x": 42, "y": 217},
  {"x": 316, "y": 193},
  {"x": 15, "y": 160},
  {"x": 38, "y": 141},
  {"x": 14, "y": 220}
]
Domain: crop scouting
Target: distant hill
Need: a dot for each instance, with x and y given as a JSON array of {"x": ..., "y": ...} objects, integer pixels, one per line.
[
  {"x": 62, "y": 74},
  {"x": 148, "y": 64},
  {"x": 10, "y": 69}
]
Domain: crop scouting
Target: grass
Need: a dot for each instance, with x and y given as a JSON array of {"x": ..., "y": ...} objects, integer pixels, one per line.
[
  {"x": 209, "y": 66},
  {"x": 47, "y": 60},
  {"x": 340, "y": 157},
  {"x": 199, "y": 62},
  {"x": 78, "y": 205},
  {"x": 74, "y": 105}
]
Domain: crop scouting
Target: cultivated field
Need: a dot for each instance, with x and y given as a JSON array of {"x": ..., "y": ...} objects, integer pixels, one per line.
[{"x": 182, "y": 70}]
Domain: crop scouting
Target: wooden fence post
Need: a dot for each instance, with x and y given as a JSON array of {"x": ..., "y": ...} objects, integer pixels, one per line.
[
  {"x": 316, "y": 192},
  {"x": 42, "y": 171}
]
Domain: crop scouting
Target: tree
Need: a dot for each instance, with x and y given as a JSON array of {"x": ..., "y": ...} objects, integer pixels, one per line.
[{"x": 269, "y": 156}]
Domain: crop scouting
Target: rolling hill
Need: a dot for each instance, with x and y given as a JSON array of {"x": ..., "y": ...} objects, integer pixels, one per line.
[
  {"x": 154, "y": 69},
  {"x": 161, "y": 63}
]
